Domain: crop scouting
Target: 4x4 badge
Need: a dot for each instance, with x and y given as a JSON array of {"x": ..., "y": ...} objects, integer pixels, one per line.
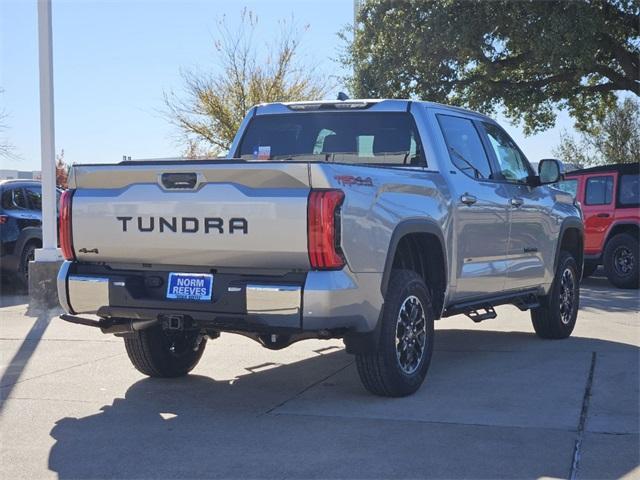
[{"x": 348, "y": 180}]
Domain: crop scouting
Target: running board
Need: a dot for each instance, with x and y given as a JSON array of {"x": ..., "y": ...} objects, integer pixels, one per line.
[
  {"x": 477, "y": 316},
  {"x": 483, "y": 309}
]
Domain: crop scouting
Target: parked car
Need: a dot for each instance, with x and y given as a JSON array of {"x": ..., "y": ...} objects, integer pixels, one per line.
[
  {"x": 610, "y": 198},
  {"x": 20, "y": 227},
  {"x": 362, "y": 220}
]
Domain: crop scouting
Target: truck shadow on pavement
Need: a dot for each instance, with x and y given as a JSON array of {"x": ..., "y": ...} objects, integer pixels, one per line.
[
  {"x": 474, "y": 417},
  {"x": 11, "y": 293}
]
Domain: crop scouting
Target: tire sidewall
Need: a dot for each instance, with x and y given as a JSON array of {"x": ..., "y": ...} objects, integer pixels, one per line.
[
  {"x": 400, "y": 289},
  {"x": 566, "y": 261},
  {"x": 158, "y": 359},
  {"x": 627, "y": 281},
  {"x": 22, "y": 274}
]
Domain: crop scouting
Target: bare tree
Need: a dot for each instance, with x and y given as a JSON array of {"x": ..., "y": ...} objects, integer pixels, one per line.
[
  {"x": 6, "y": 148},
  {"x": 214, "y": 104},
  {"x": 62, "y": 170}
]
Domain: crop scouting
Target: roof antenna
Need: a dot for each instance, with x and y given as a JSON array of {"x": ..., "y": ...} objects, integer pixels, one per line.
[{"x": 342, "y": 96}]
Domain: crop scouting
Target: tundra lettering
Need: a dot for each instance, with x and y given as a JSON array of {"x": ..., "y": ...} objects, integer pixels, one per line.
[
  {"x": 370, "y": 220},
  {"x": 187, "y": 224}
]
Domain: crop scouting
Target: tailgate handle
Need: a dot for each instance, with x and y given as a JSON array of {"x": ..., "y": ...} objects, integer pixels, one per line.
[{"x": 179, "y": 180}]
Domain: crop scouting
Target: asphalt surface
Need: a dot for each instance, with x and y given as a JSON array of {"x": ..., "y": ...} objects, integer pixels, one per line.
[{"x": 498, "y": 403}]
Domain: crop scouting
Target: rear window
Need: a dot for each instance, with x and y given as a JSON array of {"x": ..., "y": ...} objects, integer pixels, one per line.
[
  {"x": 599, "y": 190},
  {"x": 629, "y": 190},
  {"x": 387, "y": 138}
]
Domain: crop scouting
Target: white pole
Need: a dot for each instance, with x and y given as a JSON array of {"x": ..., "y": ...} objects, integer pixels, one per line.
[{"x": 49, "y": 251}]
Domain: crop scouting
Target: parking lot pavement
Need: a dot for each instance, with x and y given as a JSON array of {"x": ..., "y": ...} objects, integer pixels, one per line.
[{"x": 498, "y": 403}]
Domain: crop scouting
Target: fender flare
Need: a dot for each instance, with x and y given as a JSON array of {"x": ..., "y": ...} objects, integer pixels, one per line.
[
  {"x": 619, "y": 223},
  {"x": 567, "y": 223},
  {"x": 365, "y": 343},
  {"x": 406, "y": 227}
]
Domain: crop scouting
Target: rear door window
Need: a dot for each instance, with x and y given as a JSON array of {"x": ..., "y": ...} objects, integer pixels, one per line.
[
  {"x": 465, "y": 147},
  {"x": 14, "y": 199},
  {"x": 629, "y": 190},
  {"x": 599, "y": 190}
]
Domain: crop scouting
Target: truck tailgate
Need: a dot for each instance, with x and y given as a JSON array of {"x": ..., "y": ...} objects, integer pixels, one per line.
[{"x": 210, "y": 214}]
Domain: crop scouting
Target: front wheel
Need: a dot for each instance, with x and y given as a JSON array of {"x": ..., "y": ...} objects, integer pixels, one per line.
[
  {"x": 621, "y": 261},
  {"x": 157, "y": 352},
  {"x": 558, "y": 311},
  {"x": 399, "y": 365}
]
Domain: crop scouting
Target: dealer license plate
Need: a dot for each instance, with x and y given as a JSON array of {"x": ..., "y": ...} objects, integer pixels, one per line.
[{"x": 190, "y": 286}]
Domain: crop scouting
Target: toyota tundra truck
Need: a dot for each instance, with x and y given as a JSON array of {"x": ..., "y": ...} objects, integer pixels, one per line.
[{"x": 364, "y": 220}]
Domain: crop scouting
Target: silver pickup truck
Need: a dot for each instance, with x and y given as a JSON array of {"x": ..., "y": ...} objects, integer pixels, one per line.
[{"x": 364, "y": 220}]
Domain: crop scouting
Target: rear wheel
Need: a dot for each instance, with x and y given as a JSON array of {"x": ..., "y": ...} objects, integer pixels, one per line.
[
  {"x": 27, "y": 255},
  {"x": 558, "y": 311},
  {"x": 399, "y": 365},
  {"x": 621, "y": 261},
  {"x": 157, "y": 352}
]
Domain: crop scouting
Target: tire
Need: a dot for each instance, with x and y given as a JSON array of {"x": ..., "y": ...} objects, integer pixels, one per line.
[
  {"x": 28, "y": 254},
  {"x": 386, "y": 372},
  {"x": 557, "y": 314},
  {"x": 621, "y": 261},
  {"x": 589, "y": 269},
  {"x": 150, "y": 351}
]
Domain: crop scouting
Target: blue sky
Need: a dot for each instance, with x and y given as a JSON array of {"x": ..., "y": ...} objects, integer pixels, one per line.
[{"x": 114, "y": 59}]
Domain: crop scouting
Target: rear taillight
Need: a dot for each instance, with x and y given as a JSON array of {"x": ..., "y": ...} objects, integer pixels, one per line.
[
  {"x": 4, "y": 219},
  {"x": 324, "y": 229},
  {"x": 65, "y": 234}
]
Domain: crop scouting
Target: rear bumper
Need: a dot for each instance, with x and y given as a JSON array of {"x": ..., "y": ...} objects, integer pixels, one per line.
[{"x": 297, "y": 302}]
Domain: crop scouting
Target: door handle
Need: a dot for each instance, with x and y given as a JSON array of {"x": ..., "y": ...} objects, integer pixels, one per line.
[
  {"x": 516, "y": 202},
  {"x": 179, "y": 180},
  {"x": 603, "y": 215},
  {"x": 468, "y": 199}
]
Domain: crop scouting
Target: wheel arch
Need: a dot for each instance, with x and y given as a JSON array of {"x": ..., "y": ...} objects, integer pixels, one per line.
[
  {"x": 571, "y": 239},
  {"x": 632, "y": 228},
  {"x": 418, "y": 244},
  {"x": 27, "y": 236}
]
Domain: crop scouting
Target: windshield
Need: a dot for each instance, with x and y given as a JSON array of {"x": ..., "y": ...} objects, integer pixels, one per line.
[{"x": 346, "y": 137}]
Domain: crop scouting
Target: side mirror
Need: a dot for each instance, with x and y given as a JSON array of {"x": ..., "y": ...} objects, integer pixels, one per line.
[{"x": 550, "y": 171}]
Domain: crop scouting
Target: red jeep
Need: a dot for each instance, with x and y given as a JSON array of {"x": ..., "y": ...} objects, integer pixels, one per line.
[{"x": 610, "y": 198}]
